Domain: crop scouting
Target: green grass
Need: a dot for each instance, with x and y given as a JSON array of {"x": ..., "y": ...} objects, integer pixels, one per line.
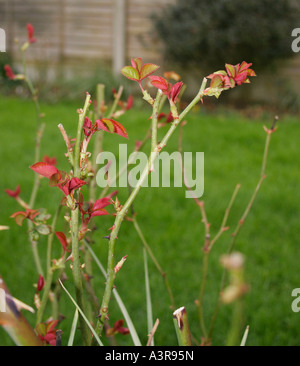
[{"x": 233, "y": 147}]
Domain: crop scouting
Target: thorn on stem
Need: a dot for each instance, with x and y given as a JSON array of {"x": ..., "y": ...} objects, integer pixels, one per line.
[{"x": 276, "y": 118}]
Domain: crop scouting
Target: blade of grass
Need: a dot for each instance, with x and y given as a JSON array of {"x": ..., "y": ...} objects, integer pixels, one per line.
[
  {"x": 245, "y": 336},
  {"x": 82, "y": 314},
  {"x": 73, "y": 328},
  {"x": 133, "y": 333},
  {"x": 148, "y": 298}
]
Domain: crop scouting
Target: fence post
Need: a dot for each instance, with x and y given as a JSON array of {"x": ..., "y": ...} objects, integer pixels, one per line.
[{"x": 119, "y": 36}]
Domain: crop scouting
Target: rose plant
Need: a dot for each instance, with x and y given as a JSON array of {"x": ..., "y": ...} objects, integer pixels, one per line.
[{"x": 81, "y": 208}]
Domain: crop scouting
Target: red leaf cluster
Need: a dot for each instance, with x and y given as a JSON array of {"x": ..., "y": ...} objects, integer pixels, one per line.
[
  {"x": 57, "y": 178},
  {"x": 30, "y": 32},
  {"x": 172, "y": 91}
]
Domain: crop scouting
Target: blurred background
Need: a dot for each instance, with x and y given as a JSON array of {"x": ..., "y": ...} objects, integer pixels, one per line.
[
  {"x": 83, "y": 43},
  {"x": 80, "y": 41}
]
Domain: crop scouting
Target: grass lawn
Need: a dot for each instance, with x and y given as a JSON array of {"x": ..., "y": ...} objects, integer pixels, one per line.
[{"x": 233, "y": 147}]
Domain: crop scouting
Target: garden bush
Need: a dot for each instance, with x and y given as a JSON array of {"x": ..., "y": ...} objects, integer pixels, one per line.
[
  {"x": 204, "y": 33},
  {"x": 73, "y": 223}
]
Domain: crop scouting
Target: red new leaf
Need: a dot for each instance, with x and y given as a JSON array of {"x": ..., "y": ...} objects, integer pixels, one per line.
[
  {"x": 41, "y": 283},
  {"x": 109, "y": 125},
  {"x": 98, "y": 207},
  {"x": 63, "y": 240},
  {"x": 30, "y": 30},
  {"x": 48, "y": 160},
  {"x": 9, "y": 73},
  {"x": 44, "y": 169},
  {"x": 14, "y": 193}
]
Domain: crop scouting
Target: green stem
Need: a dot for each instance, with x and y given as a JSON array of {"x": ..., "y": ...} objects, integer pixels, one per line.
[
  {"x": 36, "y": 183},
  {"x": 121, "y": 214},
  {"x": 77, "y": 273},
  {"x": 77, "y": 276},
  {"x": 233, "y": 338},
  {"x": 240, "y": 224},
  {"x": 125, "y": 167},
  {"x": 206, "y": 252},
  {"x": 35, "y": 252},
  {"x": 34, "y": 191},
  {"x": 49, "y": 277},
  {"x": 154, "y": 120},
  {"x": 225, "y": 218},
  {"x": 148, "y": 296},
  {"x": 182, "y": 327},
  {"x": 100, "y": 97},
  {"x": 77, "y": 149},
  {"x": 200, "y": 300},
  {"x": 45, "y": 297},
  {"x": 115, "y": 103}
]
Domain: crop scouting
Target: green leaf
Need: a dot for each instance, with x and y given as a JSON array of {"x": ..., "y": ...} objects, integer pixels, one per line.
[
  {"x": 19, "y": 219},
  {"x": 112, "y": 126},
  {"x": 147, "y": 70},
  {"x": 73, "y": 329},
  {"x": 43, "y": 229},
  {"x": 230, "y": 70},
  {"x": 130, "y": 73},
  {"x": 41, "y": 329},
  {"x": 138, "y": 63},
  {"x": 216, "y": 92},
  {"x": 222, "y": 72},
  {"x": 216, "y": 81}
]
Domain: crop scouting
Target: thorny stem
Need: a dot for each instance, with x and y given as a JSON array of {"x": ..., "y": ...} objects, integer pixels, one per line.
[
  {"x": 51, "y": 236},
  {"x": 68, "y": 143},
  {"x": 100, "y": 98},
  {"x": 36, "y": 182},
  {"x": 208, "y": 243},
  {"x": 202, "y": 288},
  {"x": 48, "y": 280},
  {"x": 154, "y": 120},
  {"x": 35, "y": 252},
  {"x": 242, "y": 220},
  {"x": 125, "y": 167},
  {"x": 225, "y": 218},
  {"x": 121, "y": 214},
  {"x": 116, "y": 101},
  {"x": 75, "y": 227}
]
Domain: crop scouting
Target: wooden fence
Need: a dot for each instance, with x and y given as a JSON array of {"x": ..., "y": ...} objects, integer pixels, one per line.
[
  {"x": 71, "y": 31},
  {"x": 91, "y": 29}
]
